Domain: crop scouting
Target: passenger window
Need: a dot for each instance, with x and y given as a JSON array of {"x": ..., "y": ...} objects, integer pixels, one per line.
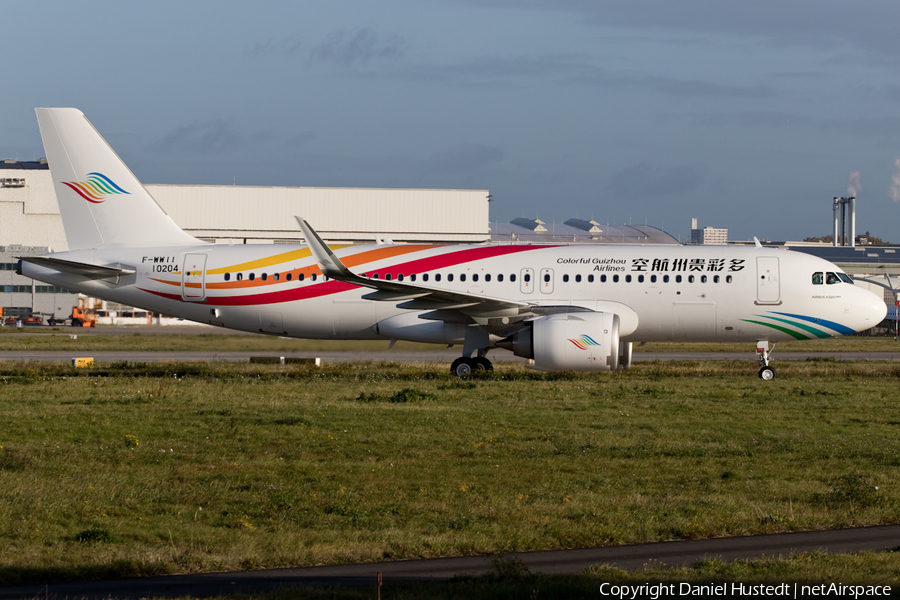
[
  {"x": 289, "y": 276},
  {"x": 603, "y": 279},
  {"x": 487, "y": 277},
  {"x": 831, "y": 278},
  {"x": 437, "y": 276},
  {"x": 565, "y": 278},
  {"x": 678, "y": 279},
  {"x": 424, "y": 276},
  {"x": 412, "y": 277},
  {"x": 462, "y": 277},
  {"x": 640, "y": 279},
  {"x": 301, "y": 277},
  {"x": 547, "y": 277},
  {"x": 578, "y": 279},
  {"x": 277, "y": 276},
  {"x": 313, "y": 277},
  {"x": 227, "y": 276},
  {"x": 240, "y": 276},
  {"x": 590, "y": 279},
  {"x": 665, "y": 279},
  {"x": 703, "y": 279},
  {"x": 615, "y": 279},
  {"x": 252, "y": 276},
  {"x": 628, "y": 279},
  {"x": 818, "y": 278},
  {"x": 264, "y": 276},
  {"x": 512, "y": 278},
  {"x": 500, "y": 277},
  {"x": 449, "y": 276},
  {"x": 387, "y": 276},
  {"x": 728, "y": 279},
  {"x": 400, "y": 277},
  {"x": 715, "y": 279},
  {"x": 690, "y": 279},
  {"x": 474, "y": 277},
  {"x": 527, "y": 277},
  {"x": 653, "y": 279}
]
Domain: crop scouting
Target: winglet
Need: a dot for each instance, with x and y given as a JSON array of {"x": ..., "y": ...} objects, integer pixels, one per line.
[{"x": 330, "y": 264}]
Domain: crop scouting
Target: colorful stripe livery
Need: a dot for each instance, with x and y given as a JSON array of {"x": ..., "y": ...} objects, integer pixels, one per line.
[
  {"x": 96, "y": 188},
  {"x": 799, "y": 329},
  {"x": 583, "y": 342},
  {"x": 292, "y": 290}
]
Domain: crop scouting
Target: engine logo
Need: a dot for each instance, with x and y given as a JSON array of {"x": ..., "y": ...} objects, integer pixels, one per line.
[{"x": 583, "y": 341}]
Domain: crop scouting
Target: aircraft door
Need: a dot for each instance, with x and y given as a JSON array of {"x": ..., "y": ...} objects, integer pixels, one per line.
[
  {"x": 193, "y": 278},
  {"x": 526, "y": 281},
  {"x": 547, "y": 281},
  {"x": 768, "y": 288}
]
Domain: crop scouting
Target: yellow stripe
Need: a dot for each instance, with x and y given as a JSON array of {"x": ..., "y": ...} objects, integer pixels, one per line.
[{"x": 269, "y": 261}]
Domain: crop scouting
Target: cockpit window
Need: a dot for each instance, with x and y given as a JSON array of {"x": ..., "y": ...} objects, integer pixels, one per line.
[
  {"x": 831, "y": 278},
  {"x": 845, "y": 278},
  {"x": 818, "y": 278}
]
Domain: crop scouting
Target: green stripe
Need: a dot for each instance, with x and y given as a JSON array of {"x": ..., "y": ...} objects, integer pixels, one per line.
[
  {"x": 794, "y": 334},
  {"x": 101, "y": 184},
  {"x": 816, "y": 332}
]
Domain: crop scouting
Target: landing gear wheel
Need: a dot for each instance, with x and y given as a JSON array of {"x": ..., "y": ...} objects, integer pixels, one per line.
[
  {"x": 767, "y": 373},
  {"x": 462, "y": 367},
  {"x": 482, "y": 364}
]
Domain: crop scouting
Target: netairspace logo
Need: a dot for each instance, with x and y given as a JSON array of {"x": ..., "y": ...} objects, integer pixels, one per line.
[
  {"x": 739, "y": 590},
  {"x": 97, "y": 187}
]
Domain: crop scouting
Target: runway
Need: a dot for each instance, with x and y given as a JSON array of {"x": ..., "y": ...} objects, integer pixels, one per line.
[
  {"x": 554, "y": 562},
  {"x": 439, "y": 356}
]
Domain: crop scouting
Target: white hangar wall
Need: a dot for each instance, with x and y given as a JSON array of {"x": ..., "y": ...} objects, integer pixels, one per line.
[
  {"x": 29, "y": 214},
  {"x": 338, "y": 214}
]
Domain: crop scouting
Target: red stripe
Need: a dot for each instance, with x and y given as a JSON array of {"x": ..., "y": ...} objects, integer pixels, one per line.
[
  {"x": 333, "y": 287},
  {"x": 80, "y": 193},
  {"x": 451, "y": 259}
]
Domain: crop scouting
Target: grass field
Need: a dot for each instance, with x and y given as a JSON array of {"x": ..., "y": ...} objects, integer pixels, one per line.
[
  {"x": 140, "y": 469},
  {"x": 218, "y": 340}
]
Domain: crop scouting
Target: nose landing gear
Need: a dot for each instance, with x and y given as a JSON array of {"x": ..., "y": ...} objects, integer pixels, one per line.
[{"x": 762, "y": 357}]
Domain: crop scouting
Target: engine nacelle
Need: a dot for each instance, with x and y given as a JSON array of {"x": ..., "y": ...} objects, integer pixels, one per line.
[{"x": 569, "y": 342}]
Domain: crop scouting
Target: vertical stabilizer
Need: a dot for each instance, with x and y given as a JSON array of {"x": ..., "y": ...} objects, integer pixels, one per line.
[{"x": 101, "y": 202}]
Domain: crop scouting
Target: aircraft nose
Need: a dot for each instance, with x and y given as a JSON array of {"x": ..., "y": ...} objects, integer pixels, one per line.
[{"x": 871, "y": 310}]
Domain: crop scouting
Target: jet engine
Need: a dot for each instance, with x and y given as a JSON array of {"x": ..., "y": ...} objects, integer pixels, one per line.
[{"x": 584, "y": 341}]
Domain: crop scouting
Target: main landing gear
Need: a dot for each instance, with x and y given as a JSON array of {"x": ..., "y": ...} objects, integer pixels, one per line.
[
  {"x": 762, "y": 357},
  {"x": 463, "y": 366}
]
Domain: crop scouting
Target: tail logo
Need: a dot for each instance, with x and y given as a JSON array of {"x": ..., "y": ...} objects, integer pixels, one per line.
[
  {"x": 583, "y": 342},
  {"x": 97, "y": 187}
]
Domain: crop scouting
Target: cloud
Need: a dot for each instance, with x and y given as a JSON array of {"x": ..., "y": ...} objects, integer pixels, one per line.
[
  {"x": 464, "y": 158},
  {"x": 302, "y": 138},
  {"x": 645, "y": 180},
  {"x": 358, "y": 47},
  {"x": 216, "y": 136},
  {"x": 284, "y": 46}
]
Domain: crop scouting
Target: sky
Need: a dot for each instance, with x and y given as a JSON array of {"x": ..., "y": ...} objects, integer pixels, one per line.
[{"x": 747, "y": 116}]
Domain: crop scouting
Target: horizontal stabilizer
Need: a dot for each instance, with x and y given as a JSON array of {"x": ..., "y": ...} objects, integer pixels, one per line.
[{"x": 84, "y": 269}]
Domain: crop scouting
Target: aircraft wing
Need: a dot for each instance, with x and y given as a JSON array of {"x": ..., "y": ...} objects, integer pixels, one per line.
[
  {"x": 77, "y": 268},
  {"x": 414, "y": 297}
]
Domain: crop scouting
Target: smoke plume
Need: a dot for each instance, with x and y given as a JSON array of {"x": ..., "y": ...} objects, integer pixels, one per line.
[
  {"x": 854, "y": 184},
  {"x": 894, "y": 192}
]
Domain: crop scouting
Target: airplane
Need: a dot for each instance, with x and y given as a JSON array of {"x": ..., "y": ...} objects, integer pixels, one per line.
[{"x": 563, "y": 307}]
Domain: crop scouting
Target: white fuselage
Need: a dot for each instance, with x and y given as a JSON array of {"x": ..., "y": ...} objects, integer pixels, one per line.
[{"x": 686, "y": 293}]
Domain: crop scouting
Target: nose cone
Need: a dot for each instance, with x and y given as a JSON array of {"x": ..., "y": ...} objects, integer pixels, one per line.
[{"x": 868, "y": 310}]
